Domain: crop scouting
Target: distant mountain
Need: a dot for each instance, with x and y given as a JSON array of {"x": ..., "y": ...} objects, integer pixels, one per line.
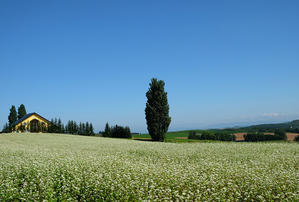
[{"x": 292, "y": 126}]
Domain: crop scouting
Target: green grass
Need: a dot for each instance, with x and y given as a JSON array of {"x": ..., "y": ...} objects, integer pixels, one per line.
[
  {"x": 52, "y": 167},
  {"x": 174, "y": 137},
  {"x": 169, "y": 135}
]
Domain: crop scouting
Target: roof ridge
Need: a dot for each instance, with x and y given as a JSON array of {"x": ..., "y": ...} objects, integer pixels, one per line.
[{"x": 26, "y": 116}]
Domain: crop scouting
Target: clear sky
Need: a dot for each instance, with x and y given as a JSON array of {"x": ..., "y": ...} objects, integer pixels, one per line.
[{"x": 224, "y": 62}]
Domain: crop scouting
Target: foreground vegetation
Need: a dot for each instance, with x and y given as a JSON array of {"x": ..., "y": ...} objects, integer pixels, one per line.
[{"x": 68, "y": 167}]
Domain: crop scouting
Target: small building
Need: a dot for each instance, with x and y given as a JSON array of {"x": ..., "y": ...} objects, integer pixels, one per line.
[{"x": 32, "y": 122}]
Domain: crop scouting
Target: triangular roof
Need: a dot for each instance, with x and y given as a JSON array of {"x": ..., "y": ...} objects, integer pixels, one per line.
[{"x": 27, "y": 116}]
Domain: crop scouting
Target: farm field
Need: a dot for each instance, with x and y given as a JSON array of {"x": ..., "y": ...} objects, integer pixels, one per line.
[
  {"x": 68, "y": 167},
  {"x": 182, "y": 136}
]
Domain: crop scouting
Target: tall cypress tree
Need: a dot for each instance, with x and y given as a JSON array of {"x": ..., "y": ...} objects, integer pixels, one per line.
[
  {"x": 5, "y": 128},
  {"x": 157, "y": 110},
  {"x": 12, "y": 116},
  {"x": 21, "y": 111},
  {"x": 83, "y": 128},
  {"x": 107, "y": 130},
  {"x": 86, "y": 129},
  {"x": 80, "y": 129},
  {"x": 91, "y": 132},
  {"x": 59, "y": 126}
]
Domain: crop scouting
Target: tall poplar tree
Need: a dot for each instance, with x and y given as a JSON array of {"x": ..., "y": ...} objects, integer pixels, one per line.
[
  {"x": 107, "y": 130},
  {"x": 157, "y": 110},
  {"x": 86, "y": 129},
  {"x": 12, "y": 116},
  {"x": 21, "y": 111},
  {"x": 91, "y": 132}
]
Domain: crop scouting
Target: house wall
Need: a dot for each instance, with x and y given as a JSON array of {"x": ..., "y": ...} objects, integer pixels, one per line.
[{"x": 27, "y": 121}]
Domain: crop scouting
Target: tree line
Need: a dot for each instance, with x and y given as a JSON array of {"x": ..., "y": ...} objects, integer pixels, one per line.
[
  {"x": 72, "y": 127},
  {"x": 208, "y": 135},
  {"x": 279, "y": 134},
  {"x": 117, "y": 131}
]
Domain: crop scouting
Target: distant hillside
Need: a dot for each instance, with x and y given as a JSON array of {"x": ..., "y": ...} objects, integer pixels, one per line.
[{"x": 292, "y": 126}]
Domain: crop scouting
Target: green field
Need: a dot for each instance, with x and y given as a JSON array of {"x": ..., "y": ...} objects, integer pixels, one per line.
[
  {"x": 174, "y": 136},
  {"x": 169, "y": 135},
  {"x": 68, "y": 167}
]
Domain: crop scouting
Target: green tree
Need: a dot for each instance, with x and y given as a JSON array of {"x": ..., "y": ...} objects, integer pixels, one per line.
[
  {"x": 60, "y": 126},
  {"x": 91, "y": 132},
  {"x": 280, "y": 133},
  {"x": 157, "y": 110},
  {"x": 86, "y": 129},
  {"x": 12, "y": 116},
  {"x": 83, "y": 129},
  {"x": 6, "y": 128},
  {"x": 21, "y": 111},
  {"x": 107, "y": 130},
  {"x": 80, "y": 130}
]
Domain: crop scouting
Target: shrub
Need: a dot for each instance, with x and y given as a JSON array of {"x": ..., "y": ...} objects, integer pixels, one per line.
[
  {"x": 255, "y": 137},
  {"x": 207, "y": 135},
  {"x": 280, "y": 134},
  {"x": 225, "y": 136},
  {"x": 120, "y": 132},
  {"x": 192, "y": 135},
  {"x": 296, "y": 138}
]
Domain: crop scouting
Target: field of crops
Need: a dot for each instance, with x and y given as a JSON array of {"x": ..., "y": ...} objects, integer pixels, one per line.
[{"x": 66, "y": 167}]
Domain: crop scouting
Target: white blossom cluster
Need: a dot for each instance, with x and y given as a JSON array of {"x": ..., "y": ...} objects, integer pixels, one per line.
[{"x": 47, "y": 167}]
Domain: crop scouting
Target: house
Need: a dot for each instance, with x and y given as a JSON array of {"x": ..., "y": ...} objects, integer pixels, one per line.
[{"x": 32, "y": 122}]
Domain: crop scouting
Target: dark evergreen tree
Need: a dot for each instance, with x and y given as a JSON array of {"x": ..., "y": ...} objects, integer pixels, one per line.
[
  {"x": 91, "y": 132},
  {"x": 107, "y": 130},
  {"x": 157, "y": 110},
  {"x": 6, "y": 128},
  {"x": 75, "y": 127},
  {"x": 60, "y": 127},
  {"x": 86, "y": 132},
  {"x": 83, "y": 129},
  {"x": 80, "y": 130},
  {"x": 120, "y": 132},
  {"x": 21, "y": 111},
  {"x": 12, "y": 116},
  {"x": 53, "y": 127}
]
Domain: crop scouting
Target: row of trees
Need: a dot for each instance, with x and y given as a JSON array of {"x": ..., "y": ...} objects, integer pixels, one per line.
[
  {"x": 72, "y": 127},
  {"x": 256, "y": 137},
  {"x": 117, "y": 131},
  {"x": 14, "y": 116},
  {"x": 207, "y": 135}
]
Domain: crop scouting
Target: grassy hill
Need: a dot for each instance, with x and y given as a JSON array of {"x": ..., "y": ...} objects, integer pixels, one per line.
[
  {"x": 52, "y": 167},
  {"x": 292, "y": 126}
]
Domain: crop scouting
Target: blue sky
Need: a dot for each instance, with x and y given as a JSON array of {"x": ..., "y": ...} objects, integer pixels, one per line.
[{"x": 224, "y": 63}]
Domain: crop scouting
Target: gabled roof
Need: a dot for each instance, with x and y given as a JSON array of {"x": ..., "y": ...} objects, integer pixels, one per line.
[{"x": 27, "y": 116}]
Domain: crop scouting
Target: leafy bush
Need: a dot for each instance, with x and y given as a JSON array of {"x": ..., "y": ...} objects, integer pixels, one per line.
[
  {"x": 296, "y": 138},
  {"x": 207, "y": 135},
  {"x": 192, "y": 135},
  {"x": 225, "y": 136},
  {"x": 255, "y": 137},
  {"x": 281, "y": 134}
]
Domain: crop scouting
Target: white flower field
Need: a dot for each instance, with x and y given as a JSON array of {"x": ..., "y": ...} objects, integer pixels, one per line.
[{"x": 49, "y": 167}]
